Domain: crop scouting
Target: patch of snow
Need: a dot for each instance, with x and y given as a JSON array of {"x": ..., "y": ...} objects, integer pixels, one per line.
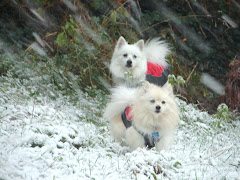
[{"x": 43, "y": 138}]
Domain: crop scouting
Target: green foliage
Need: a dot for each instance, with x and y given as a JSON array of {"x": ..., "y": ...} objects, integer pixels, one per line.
[
  {"x": 177, "y": 164},
  {"x": 178, "y": 81},
  {"x": 97, "y": 93},
  {"x": 116, "y": 24},
  {"x": 80, "y": 49},
  {"x": 65, "y": 37},
  {"x": 62, "y": 40},
  {"x": 81, "y": 59},
  {"x": 223, "y": 113},
  {"x": 5, "y": 64},
  {"x": 70, "y": 26}
]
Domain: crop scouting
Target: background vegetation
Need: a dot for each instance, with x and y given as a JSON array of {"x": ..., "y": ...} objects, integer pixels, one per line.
[{"x": 73, "y": 37}]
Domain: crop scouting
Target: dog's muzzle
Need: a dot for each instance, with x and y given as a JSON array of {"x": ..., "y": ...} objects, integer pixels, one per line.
[
  {"x": 129, "y": 64},
  {"x": 158, "y": 109}
]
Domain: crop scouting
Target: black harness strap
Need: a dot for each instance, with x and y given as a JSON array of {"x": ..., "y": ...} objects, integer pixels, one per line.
[
  {"x": 125, "y": 120},
  {"x": 159, "y": 80},
  {"x": 148, "y": 143}
]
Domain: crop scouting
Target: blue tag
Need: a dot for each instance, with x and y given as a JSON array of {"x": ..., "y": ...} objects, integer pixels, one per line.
[{"x": 155, "y": 134}]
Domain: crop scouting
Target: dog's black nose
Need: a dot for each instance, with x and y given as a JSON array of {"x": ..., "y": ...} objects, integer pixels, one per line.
[
  {"x": 158, "y": 107},
  {"x": 129, "y": 63}
]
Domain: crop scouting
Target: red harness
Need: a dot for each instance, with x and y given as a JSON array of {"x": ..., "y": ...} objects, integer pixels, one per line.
[
  {"x": 128, "y": 110},
  {"x": 154, "y": 69}
]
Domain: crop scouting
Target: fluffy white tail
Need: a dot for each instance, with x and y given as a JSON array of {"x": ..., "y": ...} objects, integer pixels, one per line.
[
  {"x": 121, "y": 97},
  {"x": 156, "y": 51}
]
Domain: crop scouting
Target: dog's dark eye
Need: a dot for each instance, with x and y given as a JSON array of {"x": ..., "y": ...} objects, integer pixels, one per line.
[
  {"x": 134, "y": 56},
  {"x": 163, "y": 102},
  {"x": 152, "y": 101},
  {"x": 125, "y": 55}
]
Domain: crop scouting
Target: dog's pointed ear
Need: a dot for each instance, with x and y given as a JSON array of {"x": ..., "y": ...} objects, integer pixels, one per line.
[
  {"x": 140, "y": 44},
  {"x": 121, "y": 42}
]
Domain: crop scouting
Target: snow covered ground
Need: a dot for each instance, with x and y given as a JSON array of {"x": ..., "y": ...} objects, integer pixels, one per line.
[{"x": 54, "y": 137}]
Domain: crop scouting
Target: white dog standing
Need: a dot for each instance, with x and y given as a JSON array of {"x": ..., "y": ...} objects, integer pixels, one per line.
[
  {"x": 131, "y": 64},
  {"x": 152, "y": 118}
]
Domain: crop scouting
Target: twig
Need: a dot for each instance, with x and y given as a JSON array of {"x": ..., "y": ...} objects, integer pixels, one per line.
[
  {"x": 31, "y": 45},
  {"x": 220, "y": 152},
  {"x": 191, "y": 72},
  {"x": 171, "y": 19},
  {"x": 214, "y": 155},
  {"x": 201, "y": 106},
  {"x": 198, "y": 163},
  {"x": 203, "y": 33},
  {"x": 33, "y": 111}
]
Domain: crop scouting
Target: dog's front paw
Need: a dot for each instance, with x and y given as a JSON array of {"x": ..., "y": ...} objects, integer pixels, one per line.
[
  {"x": 164, "y": 143},
  {"x": 134, "y": 139}
]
